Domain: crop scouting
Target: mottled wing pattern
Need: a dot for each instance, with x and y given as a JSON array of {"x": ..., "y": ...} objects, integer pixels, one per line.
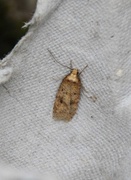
[{"x": 67, "y": 98}]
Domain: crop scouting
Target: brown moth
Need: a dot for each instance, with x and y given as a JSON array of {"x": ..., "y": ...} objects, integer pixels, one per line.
[
  {"x": 68, "y": 94},
  {"x": 67, "y": 97}
]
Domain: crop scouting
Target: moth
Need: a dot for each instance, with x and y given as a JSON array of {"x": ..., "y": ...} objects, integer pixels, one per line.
[{"x": 68, "y": 94}]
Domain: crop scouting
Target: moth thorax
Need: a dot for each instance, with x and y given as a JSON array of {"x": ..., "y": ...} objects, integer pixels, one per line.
[{"x": 73, "y": 76}]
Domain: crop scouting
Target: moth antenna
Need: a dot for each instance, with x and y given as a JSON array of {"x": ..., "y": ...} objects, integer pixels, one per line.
[
  {"x": 57, "y": 60},
  {"x": 83, "y": 69}
]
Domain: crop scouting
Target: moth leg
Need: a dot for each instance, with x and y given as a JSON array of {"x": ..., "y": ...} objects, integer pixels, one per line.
[{"x": 93, "y": 98}]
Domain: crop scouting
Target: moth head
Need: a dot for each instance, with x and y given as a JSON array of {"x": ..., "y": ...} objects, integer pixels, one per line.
[
  {"x": 73, "y": 76},
  {"x": 75, "y": 72}
]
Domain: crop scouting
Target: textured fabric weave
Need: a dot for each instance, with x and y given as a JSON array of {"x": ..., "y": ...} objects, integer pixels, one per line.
[{"x": 96, "y": 144}]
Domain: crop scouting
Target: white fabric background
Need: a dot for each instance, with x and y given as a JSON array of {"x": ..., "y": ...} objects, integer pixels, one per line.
[{"x": 96, "y": 144}]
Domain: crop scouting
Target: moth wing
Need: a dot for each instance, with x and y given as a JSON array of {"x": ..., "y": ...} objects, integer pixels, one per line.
[{"x": 66, "y": 102}]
